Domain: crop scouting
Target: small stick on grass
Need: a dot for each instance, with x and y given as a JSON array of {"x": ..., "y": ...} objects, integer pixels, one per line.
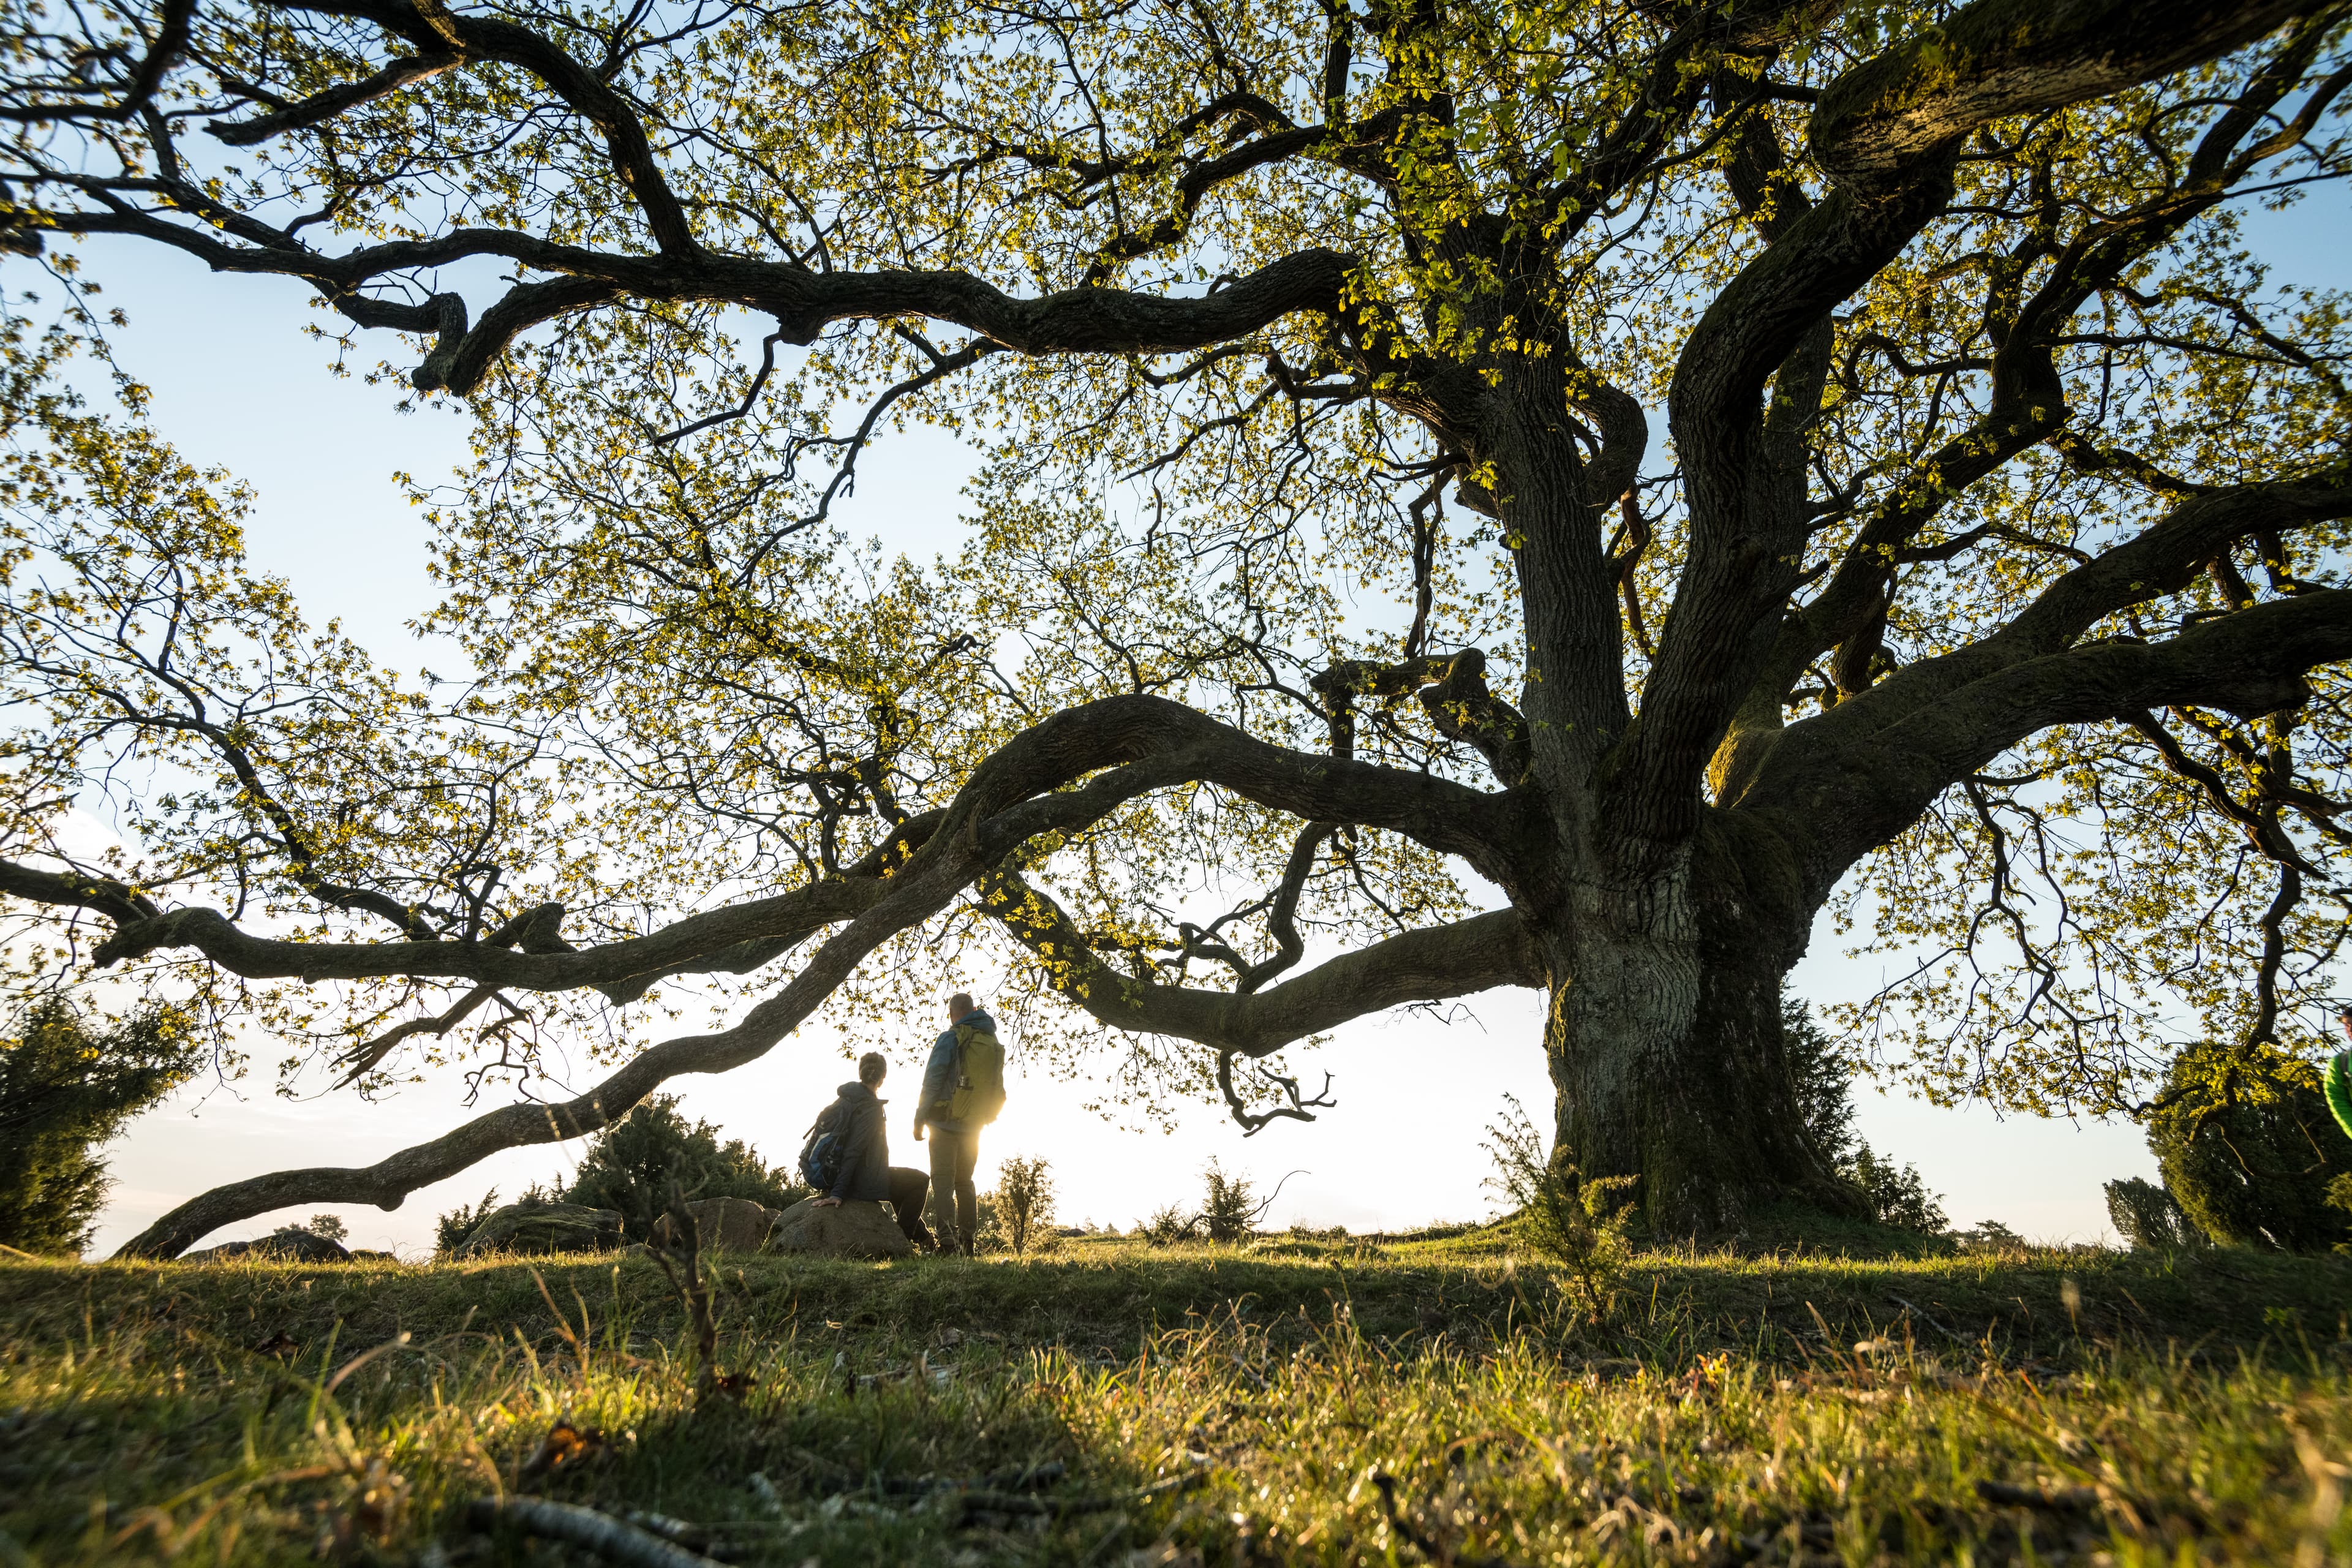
[
  {"x": 686, "y": 1244},
  {"x": 601, "y": 1533},
  {"x": 977, "y": 1500},
  {"x": 1928, "y": 1318}
]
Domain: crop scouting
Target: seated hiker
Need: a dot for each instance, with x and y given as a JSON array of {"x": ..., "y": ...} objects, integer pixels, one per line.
[{"x": 849, "y": 1155}]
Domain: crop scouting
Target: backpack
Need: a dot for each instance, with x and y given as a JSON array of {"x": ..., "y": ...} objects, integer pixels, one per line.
[
  {"x": 821, "y": 1151},
  {"x": 979, "y": 1091}
]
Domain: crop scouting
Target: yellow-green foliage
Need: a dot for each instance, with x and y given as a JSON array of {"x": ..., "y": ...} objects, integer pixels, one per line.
[{"x": 1798, "y": 1407}]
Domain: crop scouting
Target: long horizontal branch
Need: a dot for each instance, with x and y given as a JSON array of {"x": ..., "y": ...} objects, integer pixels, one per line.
[
  {"x": 118, "y": 901},
  {"x": 1132, "y": 744},
  {"x": 1121, "y": 746},
  {"x": 2158, "y": 561},
  {"x": 1428, "y": 965},
  {"x": 1999, "y": 57},
  {"x": 803, "y": 301}
]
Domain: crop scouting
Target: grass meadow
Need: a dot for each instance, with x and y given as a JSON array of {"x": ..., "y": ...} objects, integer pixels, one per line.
[{"x": 1114, "y": 1405}]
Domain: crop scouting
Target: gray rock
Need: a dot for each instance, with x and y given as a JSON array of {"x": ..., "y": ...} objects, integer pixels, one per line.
[
  {"x": 851, "y": 1230},
  {"x": 544, "y": 1228},
  {"x": 289, "y": 1244},
  {"x": 724, "y": 1225}
]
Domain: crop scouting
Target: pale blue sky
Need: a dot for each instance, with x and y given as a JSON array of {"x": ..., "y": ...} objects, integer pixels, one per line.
[{"x": 236, "y": 384}]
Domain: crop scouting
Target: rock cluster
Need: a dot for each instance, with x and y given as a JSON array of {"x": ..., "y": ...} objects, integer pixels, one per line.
[
  {"x": 289, "y": 1245},
  {"x": 724, "y": 1225},
  {"x": 850, "y": 1230},
  {"x": 544, "y": 1228}
]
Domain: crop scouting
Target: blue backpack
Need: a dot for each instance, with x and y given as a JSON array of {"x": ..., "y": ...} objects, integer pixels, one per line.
[{"x": 821, "y": 1151}]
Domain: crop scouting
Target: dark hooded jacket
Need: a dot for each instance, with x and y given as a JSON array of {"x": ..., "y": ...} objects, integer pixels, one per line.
[{"x": 864, "y": 1148}]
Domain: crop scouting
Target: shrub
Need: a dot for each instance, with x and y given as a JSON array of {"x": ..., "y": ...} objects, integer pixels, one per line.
[
  {"x": 1169, "y": 1223},
  {"x": 1991, "y": 1237},
  {"x": 1823, "y": 1075},
  {"x": 451, "y": 1231},
  {"x": 629, "y": 1166},
  {"x": 330, "y": 1226},
  {"x": 1578, "y": 1222},
  {"x": 65, "y": 1090},
  {"x": 1824, "y": 1082},
  {"x": 1023, "y": 1200},
  {"x": 1898, "y": 1197},
  {"x": 2148, "y": 1216},
  {"x": 2249, "y": 1148},
  {"x": 1229, "y": 1210}
]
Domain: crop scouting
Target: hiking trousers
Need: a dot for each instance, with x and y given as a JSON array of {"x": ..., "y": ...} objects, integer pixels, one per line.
[
  {"x": 909, "y": 1187},
  {"x": 955, "y": 1205}
]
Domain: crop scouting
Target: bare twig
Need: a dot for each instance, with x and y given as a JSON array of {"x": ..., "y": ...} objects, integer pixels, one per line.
[
  {"x": 601, "y": 1533},
  {"x": 680, "y": 1255},
  {"x": 977, "y": 1501}
]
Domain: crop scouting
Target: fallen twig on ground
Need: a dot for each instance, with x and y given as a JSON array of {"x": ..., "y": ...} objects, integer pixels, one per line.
[
  {"x": 1928, "y": 1318},
  {"x": 977, "y": 1500},
  {"x": 613, "y": 1539}
]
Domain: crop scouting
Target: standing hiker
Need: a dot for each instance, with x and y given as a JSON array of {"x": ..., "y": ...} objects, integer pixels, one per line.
[
  {"x": 848, "y": 1154},
  {"x": 963, "y": 1088}
]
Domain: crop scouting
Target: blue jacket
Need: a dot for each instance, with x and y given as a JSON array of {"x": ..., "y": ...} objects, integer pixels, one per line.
[
  {"x": 940, "y": 1074},
  {"x": 864, "y": 1148}
]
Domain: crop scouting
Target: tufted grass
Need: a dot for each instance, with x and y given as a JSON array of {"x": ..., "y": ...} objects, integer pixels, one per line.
[{"x": 1297, "y": 1401}]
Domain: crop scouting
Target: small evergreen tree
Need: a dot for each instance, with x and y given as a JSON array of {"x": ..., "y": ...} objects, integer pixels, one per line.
[
  {"x": 1581, "y": 1224},
  {"x": 2148, "y": 1218},
  {"x": 1023, "y": 1199},
  {"x": 1229, "y": 1210},
  {"x": 66, "y": 1088},
  {"x": 451, "y": 1231},
  {"x": 331, "y": 1227},
  {"x": 1824, "y": 1074},
  {"x": 630, "y": 1164},
  {"x": 1824, "y": 1080},
  {"x": 2249, "y": 1148},
  {"x": 1899, "y": 1196}
]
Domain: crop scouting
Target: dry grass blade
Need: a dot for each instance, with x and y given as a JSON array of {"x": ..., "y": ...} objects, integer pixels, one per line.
[
  {"x": 680, "y": 1255},
  {"x": 398, "y": 1341}
]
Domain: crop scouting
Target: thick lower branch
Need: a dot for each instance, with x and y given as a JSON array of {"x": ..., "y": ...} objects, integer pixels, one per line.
[
  {"x": 1131, "y": 744},
  {"x": 1471, "y": 955},
  {"x": 1845, "y": 788}
]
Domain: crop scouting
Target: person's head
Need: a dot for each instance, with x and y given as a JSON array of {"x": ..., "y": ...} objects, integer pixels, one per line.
[
  {"x": 957, "y": 1006},
  {"x": 871, "y": 1068}
]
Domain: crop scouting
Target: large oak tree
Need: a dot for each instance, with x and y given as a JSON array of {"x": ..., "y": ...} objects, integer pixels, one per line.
[{"x": 1672, "y": 463}]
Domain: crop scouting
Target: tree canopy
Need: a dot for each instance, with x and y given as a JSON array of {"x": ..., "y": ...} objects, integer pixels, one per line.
[{"x": 1540, "y": 495}]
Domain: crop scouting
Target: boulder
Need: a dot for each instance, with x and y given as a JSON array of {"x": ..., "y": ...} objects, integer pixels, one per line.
[
  {"x": 544, "y": 1228},
  {"x": 289, "y": 1245},
  {"x": 851, "y": 1230},
  {"x": 723, "y": 1224}
]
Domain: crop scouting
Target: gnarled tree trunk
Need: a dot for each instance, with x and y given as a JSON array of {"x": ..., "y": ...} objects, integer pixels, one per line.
[{"x": 1663, "y": 1043}]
